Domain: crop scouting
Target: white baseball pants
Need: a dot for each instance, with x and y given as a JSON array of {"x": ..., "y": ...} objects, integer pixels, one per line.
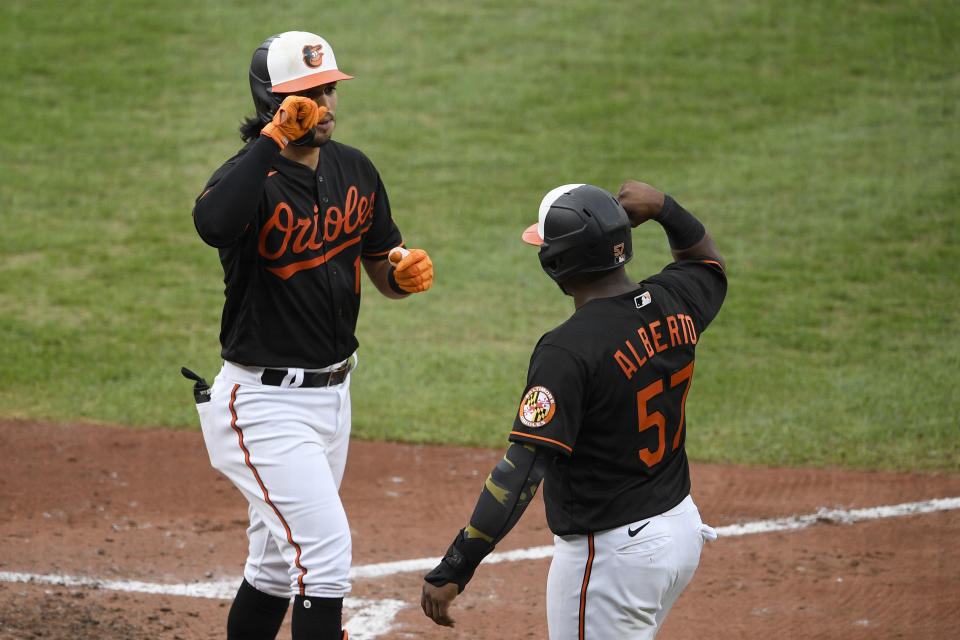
[
  {"x": 610, "y": 585},
  {"x": 285, "y": 449}
]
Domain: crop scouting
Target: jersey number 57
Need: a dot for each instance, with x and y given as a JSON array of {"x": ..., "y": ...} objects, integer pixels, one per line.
[{"x": 656, "y": 419}]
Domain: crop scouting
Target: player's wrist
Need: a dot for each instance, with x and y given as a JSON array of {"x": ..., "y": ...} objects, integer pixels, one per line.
[
  {"x": 459, "y": 562},
  {"x": 682, "y": 227},
  {"x": 449, "y": 571},
  {"x": 272, "y": 133},
  {"x": 394, "y": 286}
]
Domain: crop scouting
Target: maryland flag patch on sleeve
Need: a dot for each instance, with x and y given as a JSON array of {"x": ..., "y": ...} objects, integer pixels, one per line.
[{"x": 537, "y": 407}]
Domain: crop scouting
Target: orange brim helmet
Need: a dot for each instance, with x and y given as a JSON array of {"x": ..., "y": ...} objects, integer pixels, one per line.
[
  {"x": 580, "y": 229},
  {"x": 287, "y": 63}
]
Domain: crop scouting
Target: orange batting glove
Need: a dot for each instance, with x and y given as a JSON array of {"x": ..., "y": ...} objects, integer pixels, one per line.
[
  {"x": 413, "y": 269},
  {"x": 294, "y": 119}
]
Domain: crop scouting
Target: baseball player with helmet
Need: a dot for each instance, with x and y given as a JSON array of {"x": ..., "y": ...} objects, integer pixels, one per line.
[
  {"x": 295, "y": 215},
  {"x": 602, "y": 418}
]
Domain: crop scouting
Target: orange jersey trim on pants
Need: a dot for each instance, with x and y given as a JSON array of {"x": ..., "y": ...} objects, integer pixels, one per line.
[
  {"x": 583, "y": 589},
  {"x": 266, "y": 494}
]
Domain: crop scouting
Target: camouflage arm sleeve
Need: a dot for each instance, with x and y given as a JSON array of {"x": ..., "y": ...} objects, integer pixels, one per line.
[{"x": 506, "y": 493}]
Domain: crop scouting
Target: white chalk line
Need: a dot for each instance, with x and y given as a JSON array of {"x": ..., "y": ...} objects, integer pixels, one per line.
[
  {"x": 370, "y": 620},
  {"x": 373, "y": 618},
  {"x": 835, "y": 516}
]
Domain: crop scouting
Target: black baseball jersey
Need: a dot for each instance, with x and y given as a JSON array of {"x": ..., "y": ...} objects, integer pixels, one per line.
[
  {"x": 607, "y": 388},
  {"x": 292, "y": 275}
]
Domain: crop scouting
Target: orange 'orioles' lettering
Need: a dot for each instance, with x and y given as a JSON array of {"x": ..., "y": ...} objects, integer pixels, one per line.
[
  {"x": 680, "y": 331},
  {"x": 294, "y": 236}
]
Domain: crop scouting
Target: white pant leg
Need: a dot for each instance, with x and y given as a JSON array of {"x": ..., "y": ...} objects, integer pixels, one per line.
[
  {"x": 689, "y": 533},
  {"x": 564, "y": 582},
  {"x": 285, "y": 449},
  {"x": 633, "y": 580},
  {"x": 265, "y": 568},
  {"x": 339, "y": 442}
]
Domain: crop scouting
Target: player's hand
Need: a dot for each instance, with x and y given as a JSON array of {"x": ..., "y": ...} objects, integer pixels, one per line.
[
  {"x": 295, "y": 118},
  {"x": 435, "y": 602},
  {"x": 641, "y": 201},
  {"x": 413, "y": 270}
]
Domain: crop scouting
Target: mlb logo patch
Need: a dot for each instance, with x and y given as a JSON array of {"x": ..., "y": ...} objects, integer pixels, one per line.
[{"x": 643, "y": 300}]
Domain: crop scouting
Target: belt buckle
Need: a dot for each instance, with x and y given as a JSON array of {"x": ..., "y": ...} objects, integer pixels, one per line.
[
  {"x": 336, "y": 372},
  {"x": 343, "y": 371}
]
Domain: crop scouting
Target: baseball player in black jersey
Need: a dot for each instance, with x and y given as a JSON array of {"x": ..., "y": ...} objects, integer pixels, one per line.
[
  {"x": 603, "y": 420},
  {"x": 295, "y": 216}
]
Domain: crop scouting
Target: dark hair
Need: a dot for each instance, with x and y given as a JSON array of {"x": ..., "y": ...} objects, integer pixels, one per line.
[{"x": 250, "y": 128}]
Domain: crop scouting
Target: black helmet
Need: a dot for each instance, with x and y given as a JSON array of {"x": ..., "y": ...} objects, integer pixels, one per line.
[
  {"x": 582, "y": 229},
  {"x": 286, "y": 63}
]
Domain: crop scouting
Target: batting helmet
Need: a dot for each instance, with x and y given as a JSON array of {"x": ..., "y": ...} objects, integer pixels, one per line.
[
  {"x": 582, "y": 229},
  {"x": 287, "y": 63}
]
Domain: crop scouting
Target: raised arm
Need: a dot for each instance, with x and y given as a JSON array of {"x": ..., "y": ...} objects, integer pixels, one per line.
[
  {"x": 222, "y": 212},
  {"x": 687, "y": 236}
]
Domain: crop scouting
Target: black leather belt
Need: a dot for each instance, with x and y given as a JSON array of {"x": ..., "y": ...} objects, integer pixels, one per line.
[{"x": 311, "y": 379}]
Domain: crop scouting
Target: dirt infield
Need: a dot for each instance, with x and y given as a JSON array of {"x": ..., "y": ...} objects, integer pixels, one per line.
[{"x": 92, "y": 517}]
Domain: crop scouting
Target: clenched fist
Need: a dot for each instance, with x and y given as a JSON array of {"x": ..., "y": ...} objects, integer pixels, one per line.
[
  {"x": 413, "y": 271},
  {"x": 294, "y": 119},
  {"x": 641, "y": 201}
]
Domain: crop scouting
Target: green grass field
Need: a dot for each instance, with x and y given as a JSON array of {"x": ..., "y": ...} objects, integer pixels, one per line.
[{"x": 817, "y": 140}]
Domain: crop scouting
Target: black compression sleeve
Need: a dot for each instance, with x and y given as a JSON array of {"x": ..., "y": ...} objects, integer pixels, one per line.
[
  {"x": 222, "y": 213},
  {"x": 508, "y": 490},
  {"x": 683, "y": 229}
]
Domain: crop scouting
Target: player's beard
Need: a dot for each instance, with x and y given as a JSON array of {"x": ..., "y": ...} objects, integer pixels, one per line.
[
  {"x": 323, "y": 132},
  {"x": 317, "y": 140}
]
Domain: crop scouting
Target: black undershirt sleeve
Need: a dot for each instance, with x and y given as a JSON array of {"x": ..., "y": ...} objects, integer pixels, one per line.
[
  {"x": 682, "y": 228},
  {"x": 506, "y": 493},
  {"x": 223, "y": 212}
]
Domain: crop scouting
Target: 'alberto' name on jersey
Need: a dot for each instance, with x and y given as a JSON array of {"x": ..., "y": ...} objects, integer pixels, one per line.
[
  {"x": 653, "y": 340},
  {"x": 606, "y": 390}
]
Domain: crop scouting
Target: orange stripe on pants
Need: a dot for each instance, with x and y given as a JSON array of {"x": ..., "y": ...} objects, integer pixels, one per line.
[
  {"x": 583, "y": 588},
  {"x": 266, "y": 494}
]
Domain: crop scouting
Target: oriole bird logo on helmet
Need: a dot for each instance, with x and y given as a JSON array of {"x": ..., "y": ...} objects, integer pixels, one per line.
[{"x": 313, "y": 56}]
